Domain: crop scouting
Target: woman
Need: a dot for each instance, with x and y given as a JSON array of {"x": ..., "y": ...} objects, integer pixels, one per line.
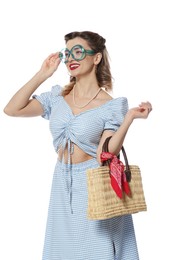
[{"x": 82, "y": 115}]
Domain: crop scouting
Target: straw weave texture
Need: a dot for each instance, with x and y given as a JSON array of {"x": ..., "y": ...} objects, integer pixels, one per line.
[{"x": 103, "y": 202}]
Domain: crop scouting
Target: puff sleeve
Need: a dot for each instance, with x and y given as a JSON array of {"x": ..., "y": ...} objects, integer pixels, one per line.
[
  {"x": 47, "y": 99},
  {"x": 117, "y": 111}
]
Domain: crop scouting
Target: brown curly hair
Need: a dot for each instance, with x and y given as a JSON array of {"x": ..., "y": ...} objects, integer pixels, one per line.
[{"x": 97, "y": 44}]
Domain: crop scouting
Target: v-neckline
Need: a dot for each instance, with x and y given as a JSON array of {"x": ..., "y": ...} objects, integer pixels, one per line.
[{"x": 87, "y": 110}]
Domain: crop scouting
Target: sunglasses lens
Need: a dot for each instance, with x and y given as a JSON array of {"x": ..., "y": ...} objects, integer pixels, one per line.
[
  {"x": 78, "y": 52},
  {"x": 64, "y": 55}
]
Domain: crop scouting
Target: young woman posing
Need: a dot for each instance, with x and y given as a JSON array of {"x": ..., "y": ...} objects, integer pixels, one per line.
[{"x": 82, "y": 115}]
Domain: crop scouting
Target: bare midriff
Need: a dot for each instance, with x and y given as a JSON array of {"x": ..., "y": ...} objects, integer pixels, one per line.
[{"x": 76, "y": 156}]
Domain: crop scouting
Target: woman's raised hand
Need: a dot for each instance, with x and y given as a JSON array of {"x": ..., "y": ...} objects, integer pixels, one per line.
[
  {"x": 142, "y": 111},
  {"x": 50, "y": 64}
]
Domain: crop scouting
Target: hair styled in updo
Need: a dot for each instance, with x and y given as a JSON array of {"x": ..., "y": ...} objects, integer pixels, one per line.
[{"x": 97, "y": 44}]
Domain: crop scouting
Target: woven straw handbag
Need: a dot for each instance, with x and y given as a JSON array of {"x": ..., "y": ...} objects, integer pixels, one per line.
[{"x": 103, "y": 203}]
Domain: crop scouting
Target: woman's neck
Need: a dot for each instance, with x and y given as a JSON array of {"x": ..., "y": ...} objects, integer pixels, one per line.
[{"x": 86, "y": 88}]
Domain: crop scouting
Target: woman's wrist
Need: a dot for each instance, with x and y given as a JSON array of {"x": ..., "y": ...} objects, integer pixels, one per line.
[
  {"x": 42, "y": 76},
  {"x": 129, "y": 117}
]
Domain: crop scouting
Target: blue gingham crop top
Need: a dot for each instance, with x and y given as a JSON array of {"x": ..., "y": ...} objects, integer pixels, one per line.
[{"x": 84, "y": 129}]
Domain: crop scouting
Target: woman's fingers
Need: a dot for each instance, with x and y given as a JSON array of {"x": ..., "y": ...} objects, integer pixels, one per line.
[{"x": 146, "y": 105}]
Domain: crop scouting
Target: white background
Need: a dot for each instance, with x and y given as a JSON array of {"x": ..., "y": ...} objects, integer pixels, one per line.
[{"x": 140, "y": 43}]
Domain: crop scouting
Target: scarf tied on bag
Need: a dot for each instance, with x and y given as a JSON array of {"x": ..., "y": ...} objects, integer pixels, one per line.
[{"x": 117, "y": 175}]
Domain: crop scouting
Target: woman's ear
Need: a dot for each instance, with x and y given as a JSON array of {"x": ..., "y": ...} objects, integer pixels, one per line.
[{"x": 97, "y": 58}]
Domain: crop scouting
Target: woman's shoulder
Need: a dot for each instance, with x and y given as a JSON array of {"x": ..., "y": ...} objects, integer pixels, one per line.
[
  {"x": 113, "y": 101},
  {"x": 56, "y": 90}
]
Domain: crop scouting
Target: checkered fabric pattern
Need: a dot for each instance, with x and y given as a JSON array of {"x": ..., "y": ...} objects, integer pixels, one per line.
[{"x": 69, "y": 234}]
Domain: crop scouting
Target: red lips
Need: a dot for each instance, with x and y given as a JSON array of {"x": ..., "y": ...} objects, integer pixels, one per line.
[{"x": 74, "y": 66}]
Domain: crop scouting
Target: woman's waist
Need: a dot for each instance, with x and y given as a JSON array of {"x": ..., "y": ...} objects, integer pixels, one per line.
[
  {"x": 75, "y": 157},
  {"x": 76, "y": 168}
]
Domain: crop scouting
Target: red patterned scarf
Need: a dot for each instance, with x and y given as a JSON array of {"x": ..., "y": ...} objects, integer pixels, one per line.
[{"x": 117, "y": 174}]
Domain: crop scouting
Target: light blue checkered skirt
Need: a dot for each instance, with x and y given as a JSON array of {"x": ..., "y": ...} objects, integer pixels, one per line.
[{"x": 70, "y": 235}]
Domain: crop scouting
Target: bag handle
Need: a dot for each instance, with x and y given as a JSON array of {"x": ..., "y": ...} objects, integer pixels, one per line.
[{"x": 127, "y": 170}]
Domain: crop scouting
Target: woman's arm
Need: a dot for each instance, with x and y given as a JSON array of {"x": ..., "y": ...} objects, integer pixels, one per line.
[
  {"x": 118, "y": 137},
  {"x": 20, "y": 104}
]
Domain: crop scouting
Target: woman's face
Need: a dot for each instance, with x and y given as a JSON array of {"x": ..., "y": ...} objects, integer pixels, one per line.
[{"x": 75, "y": 65}]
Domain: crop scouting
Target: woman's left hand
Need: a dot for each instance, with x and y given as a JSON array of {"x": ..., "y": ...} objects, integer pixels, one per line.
[{"x": 142, "y": 111}]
